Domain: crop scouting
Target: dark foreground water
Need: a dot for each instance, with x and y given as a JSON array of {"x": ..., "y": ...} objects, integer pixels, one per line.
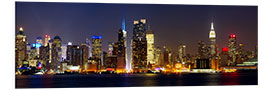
[{"x": 129, "y": 80}]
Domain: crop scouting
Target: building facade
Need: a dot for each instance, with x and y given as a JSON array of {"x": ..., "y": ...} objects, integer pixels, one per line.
[
  {"x": 56, "y": 54},
  {"x": 20, "y": 48},
  {"x": 96, "y": 50},
  {"x": 150, "y": 47},
  {"x": 139, "y": 45}
]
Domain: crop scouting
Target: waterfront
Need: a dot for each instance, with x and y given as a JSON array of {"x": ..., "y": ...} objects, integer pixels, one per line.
[{"x": 132, "y": 80}]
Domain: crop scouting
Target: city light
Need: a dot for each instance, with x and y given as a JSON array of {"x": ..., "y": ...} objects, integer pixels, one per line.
[
  {"x": 21, "y": 29},
  {"x": 232, "y": 36}
]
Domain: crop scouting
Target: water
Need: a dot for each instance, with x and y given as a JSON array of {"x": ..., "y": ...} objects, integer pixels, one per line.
[{"x": 132, "y": 80}]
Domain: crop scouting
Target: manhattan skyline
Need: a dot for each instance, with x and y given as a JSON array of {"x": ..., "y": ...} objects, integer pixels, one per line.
[{"x": 171, "y": 24}]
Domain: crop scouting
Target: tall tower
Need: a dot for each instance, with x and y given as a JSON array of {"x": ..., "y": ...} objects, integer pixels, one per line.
[
  {"x": 182, "y": 52},
  {"x": 139, "y": 45},
  {"x": 212, "y": 39},
  {"x": 232, "y": 47},
  {"x": 125, "y": 41},
  {"x": 38, "y": 44},
  {"x": 203, "y": 50},
  {"x": 20, "y": 47},
  {"x": 96, "y": 50},
  {"x": 150, "y": 47},
  {"x": 56, "y": 53}
]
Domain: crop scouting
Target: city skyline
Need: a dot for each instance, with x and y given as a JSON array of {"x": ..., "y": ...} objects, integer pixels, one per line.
[
  {"x": 134, "y": 45},
  {"x": 78, "y": 23}
]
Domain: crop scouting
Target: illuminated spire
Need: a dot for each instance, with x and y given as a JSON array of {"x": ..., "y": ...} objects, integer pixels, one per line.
[
  {"x": 123, "y": 24},
  {"x": 212, "y": 25},
  {"x": 212, "y": 33}
]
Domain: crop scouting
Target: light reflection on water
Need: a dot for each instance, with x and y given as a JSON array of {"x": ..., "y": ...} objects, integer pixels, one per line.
[{"x": 126, "y": 80}]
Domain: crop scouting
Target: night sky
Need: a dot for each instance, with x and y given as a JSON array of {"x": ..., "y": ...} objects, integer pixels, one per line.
[{"x": 171, "y": 24}]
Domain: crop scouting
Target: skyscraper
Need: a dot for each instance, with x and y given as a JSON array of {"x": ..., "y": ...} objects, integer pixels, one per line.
[
  {"x": 157, "y": 56},
  {"x": 150, "y": 47},
  {"x": 232, "y": 48},
  {"x": 56, "y": 53},
  {"x": 139, "y": 45},
  {"x": 96, "y": 50},
  {"x": 125, "y": 40},
  {"x": 46, "y": 40},
  {"x": 64, "y": 51},
  {"x": 110, "y": 48},
  {"x": 85, "y": 55},
  {"x": 121, "y": 55},
  {"x": 20, "y": 47},
  {"x": 182, "y": 52},
  {"x": 203, "y": 50},
  {"x": 38, "y": 44},
  {"x": 212, "y": 39},
  {"x": 88, "y": 43}
]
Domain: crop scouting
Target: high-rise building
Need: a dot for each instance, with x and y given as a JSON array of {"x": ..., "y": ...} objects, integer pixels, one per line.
[
  {"x": 46, "y": 40},
  {"x": 121, "y": 54},
  {"x": 28, "y": 49},
  {"x": 240, "y": 54},
  {"x": 38, "y": 44},
  {"x": 69, "y": 52},
  {"x": 182, "y": 52},
  {"x": 157, "y": 56},
  {"x": 56, "y": 54},
  {"x": 150, "y": 47},
  {"x": 85, "y": 55},
  {"x": 212, "y": 39},
  {"x": 96, "y": 50},
  {"x": 79, "y": 55},
  {"x": 203, "y": 50},
  {"x": 88, "y": 43},
  {"x": 139, "y": 45},
  {"x": 166, "y": 56},
  {"x": 20, "y": 47},
  {"x": 110, "y": 49},
  {"x": 232, "y": 48},
  {"x": 224, "y": 57},
  {"x": 125, "y": 40},
  {"x": 64, "y": 51},
  {"x": 44, "y": 55}
]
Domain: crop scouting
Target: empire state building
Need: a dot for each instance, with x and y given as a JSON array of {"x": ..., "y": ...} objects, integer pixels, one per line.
[{"x": 212, "y": 38}]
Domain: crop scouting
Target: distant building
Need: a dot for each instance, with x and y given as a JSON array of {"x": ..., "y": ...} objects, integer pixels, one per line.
[
  {"x": 85, "y": 55},
  {"x": 79, "y": 56},
  {"x": 240, "y": 57},
  {"x": 56, "y": 54},
  {"x": 150, "y": 47},
  {"x": 203, "y": 50},
  {"x": 157, "y": 56},
  {"x": 64, "y": 51},
  {"x": 88, "y": 43},
  {"x": 232, "y": 48},
  {"x": 139, "y": 45},
  {"x": 46, "y": 40},
  {"x": 110, "y": 49},
  {"x": 111, "y": 62},
  {"x": 212, "y": 39},
  {"x": 96, "y": 50},
  {"x": 20, "y": 48},
  {"x": 182, "y": 52},
  {"x": 224, "y": 57}
]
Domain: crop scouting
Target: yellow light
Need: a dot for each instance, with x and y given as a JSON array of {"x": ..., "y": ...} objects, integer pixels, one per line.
[{"x": 21, "y": 29}]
